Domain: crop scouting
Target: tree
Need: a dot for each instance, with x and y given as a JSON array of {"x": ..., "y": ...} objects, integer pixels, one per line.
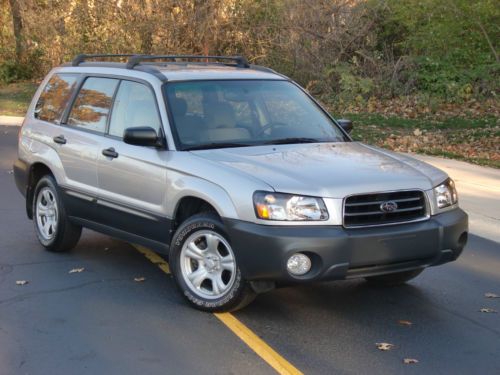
[{"x": 18, "y": 27}]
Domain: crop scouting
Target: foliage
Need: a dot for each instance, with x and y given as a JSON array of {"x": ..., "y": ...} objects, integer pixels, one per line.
[
  {"x": 453, "y": 44},
  {"x": 347, "y": 50}
]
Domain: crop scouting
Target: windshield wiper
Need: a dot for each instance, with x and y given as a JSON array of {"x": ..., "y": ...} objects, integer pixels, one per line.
[
  {"x": 292, "y": 140},
  {"x": 208, "y": 146}
]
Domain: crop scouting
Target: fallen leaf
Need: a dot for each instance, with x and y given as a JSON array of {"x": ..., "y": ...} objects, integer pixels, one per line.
[
  {"x": 487, "y": 310},
  {"x": 74, "y": 270},
  {"x": 384, "y": 346},
  {"x": 417, "y": 132},
  {"x": 21, "y": 282},
  {"x": 405, "y": 323},
  {"x": 409, "y": 361},
  {"x": 139, "y": 279},
  {"x": 491, "y": 295}
]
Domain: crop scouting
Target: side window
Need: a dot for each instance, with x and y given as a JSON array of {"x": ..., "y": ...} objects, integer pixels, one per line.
[
  {"x": 135, "y": 105},
  {"x": 55, "y": 97},
  {"x": 91, "y": 108}
]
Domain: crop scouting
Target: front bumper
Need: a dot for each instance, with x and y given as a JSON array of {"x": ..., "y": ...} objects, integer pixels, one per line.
[{"x": 339, "y": 253}]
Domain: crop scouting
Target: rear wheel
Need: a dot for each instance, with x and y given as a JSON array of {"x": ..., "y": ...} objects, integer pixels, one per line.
[
  {"x": 205, "y": 267},
  {"x": 52, "y": 227},
  {"x": 393, "y": 279}
]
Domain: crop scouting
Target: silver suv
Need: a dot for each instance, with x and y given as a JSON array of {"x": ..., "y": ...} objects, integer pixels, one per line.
[{"x": 231, "y": 170}]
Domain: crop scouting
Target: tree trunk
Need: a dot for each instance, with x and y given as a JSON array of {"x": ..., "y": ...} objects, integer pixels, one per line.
[
  {"x": 146, "y": 30},
  {"x": 18, "y": 23}
]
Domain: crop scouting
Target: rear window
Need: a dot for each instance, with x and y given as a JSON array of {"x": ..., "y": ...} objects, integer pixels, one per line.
[{"x": 55, "y": 97}]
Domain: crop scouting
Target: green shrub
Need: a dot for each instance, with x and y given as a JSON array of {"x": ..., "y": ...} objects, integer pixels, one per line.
[
  {"x": 440, "y": 78},
  {"x": 349, "y": 84},
  {"x": 12, "y": 72}
]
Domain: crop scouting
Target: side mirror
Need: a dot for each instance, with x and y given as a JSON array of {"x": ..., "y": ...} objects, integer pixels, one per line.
[
  {"x": 345, "y": 124},
  {"x": 142, "y": 136}
]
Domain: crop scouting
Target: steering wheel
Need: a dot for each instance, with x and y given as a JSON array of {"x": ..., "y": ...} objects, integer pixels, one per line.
[{"x": 269, "y": 126}]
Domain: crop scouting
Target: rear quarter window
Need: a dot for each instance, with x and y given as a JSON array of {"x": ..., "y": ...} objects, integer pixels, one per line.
[{"x": 55, "y": 97}]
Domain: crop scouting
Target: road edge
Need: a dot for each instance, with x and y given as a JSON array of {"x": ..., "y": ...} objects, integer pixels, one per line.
[{"x": 11, "y": 120}]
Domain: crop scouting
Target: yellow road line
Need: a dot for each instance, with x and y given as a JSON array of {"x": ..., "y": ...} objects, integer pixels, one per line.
[
  {"x": 268, "y": 354},
  {"x": 154, "y": 258},
  {"x": 254, "y": 342}
]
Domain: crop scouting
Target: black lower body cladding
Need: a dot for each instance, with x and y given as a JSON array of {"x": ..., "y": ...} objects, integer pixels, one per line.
[
  {"x": 21, "y": 175},
  {"x": 338, "y": 253}
]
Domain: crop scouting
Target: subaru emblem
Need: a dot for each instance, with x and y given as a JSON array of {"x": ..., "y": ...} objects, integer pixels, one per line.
[{"x": 389, "y": 206}]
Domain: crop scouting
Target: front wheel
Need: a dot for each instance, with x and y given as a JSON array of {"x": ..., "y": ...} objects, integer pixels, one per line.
[
  {"x": 52, "y": 227},
  {"x": 205, "y": 267},
  {"x": 393, "y": 279}
]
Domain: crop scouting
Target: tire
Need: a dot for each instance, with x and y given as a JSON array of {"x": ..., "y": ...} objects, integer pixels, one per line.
[
  {"x": 393, "y": 279},
  {"x": 205, "y": 268},
  {"x": 52, "y": 227}
]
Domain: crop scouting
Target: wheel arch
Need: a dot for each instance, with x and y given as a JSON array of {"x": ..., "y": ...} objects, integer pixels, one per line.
[
  {"x": 36, "y": 172},
  {"x": 194, "y": 192},
  {"x": 188, "y": 206}
]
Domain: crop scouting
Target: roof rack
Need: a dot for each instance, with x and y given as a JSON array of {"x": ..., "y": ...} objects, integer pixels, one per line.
[
  {"x": 135, "y": 60},
  {"x": 82, "y": 57}
]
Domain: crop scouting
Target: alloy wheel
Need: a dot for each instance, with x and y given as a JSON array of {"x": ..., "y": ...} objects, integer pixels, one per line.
[
  {"x": 47, "y": 213},
  {"x": 207, "y": 264}
]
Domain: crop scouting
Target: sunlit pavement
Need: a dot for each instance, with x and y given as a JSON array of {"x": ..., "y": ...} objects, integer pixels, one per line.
[
  {"x": 11, "y": 120},
  {"x": 102, "y": 321}
]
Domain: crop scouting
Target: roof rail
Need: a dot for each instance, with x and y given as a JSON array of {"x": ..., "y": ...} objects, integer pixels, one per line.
[
  {"x": 82, "y": 57},
  {"x": 135, "y": 60}
]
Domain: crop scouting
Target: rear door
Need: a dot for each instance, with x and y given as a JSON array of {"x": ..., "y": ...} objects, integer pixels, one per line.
[
  {"x": 132, "y": 179},
  {"x": 79, "y": 141}
]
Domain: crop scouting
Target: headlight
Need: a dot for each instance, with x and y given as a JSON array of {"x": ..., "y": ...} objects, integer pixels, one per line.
[
  {"x": 446, "y": 194},
  {"x": 279, "y": 206}
]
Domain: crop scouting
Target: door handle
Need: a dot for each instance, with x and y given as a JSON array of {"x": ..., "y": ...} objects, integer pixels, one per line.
[
  {"x": 110, "y": 152},
  {"x": 59, "y": 139}
]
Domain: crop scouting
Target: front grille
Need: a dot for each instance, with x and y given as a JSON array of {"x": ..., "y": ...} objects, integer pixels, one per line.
[{"x": 366, "y": 209}]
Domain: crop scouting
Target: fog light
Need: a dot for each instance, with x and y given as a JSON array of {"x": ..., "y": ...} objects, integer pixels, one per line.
[{"x": 298, "y": 264}]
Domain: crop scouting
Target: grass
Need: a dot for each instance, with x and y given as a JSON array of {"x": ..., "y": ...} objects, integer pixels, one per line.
[
  {"x": 424, "y": 123},
  {"x": 15, "y": 98}
]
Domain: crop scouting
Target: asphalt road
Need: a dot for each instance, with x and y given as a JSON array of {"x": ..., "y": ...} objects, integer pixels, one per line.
[{"x": 102, "y": 321}]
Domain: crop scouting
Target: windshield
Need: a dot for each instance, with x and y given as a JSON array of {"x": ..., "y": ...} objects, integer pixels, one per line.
[{"x": 216, "y": 114}]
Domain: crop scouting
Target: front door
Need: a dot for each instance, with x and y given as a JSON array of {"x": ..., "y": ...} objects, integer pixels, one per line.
[{"x": 132, "y": 179}]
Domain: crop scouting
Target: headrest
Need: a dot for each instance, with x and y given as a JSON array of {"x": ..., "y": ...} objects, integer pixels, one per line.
[
  {"x": 220, "y": 115},
  {"x": 178, "y": 106}
]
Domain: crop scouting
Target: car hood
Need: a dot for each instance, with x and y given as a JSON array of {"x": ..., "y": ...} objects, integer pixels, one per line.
[{"x": 330, "y": 170}]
